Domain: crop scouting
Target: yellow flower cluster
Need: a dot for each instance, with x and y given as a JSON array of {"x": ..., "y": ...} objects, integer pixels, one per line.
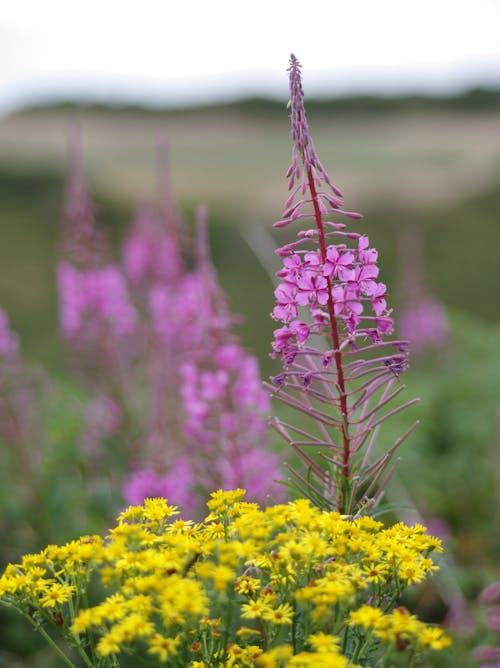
[
  {"x": 287, "y": 585},
  {"x": 399, "y": 627}
]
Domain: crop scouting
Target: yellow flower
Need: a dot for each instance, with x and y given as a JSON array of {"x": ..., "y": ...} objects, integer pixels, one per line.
[
  {"x": 84, "y": 619},
  {"x": 134, "y": 626},
  {"x": 397, "y": 626},
  {"x": 320, "y": 660},
  {"x": 30, "y": 560},
  {"x": 56, "y": 594},
  {"x": 254, "y": 609},
  {"x": 108, "y": 644},
  {"x": 214, "y": 531},
  {"x": 366, "y": 616},
  {"x": 244, "y": 631},
  {"x": 323, "y": 642},
  {"x": 222, "y": 500},
  {"x": 246, "y": 585},
  {"x": 163, "y": 647},
  {"x": 433, "y": 637},
  {"x": 158, "y": 509},
  {"x": 113, "y": 608},
  {"x": 275, "y": 658},
  {"x": 283, "y": 614},
  {"x": 376, "y": 572},
  {"x": 221, "y": 576},
  {"x": 168, "y": 577},
  {"x": 131, "y": 514}
]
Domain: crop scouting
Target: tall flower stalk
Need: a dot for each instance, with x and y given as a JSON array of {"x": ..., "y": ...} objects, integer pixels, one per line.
[{"x": 339, "y": 371}]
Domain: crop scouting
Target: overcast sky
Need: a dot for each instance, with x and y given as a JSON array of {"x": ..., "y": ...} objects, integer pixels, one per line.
[{"x": 178, "y": 51}]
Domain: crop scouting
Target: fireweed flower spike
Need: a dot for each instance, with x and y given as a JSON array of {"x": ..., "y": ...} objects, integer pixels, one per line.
[
  {"x": 82, "y": 241},
  {"x": 224, "y": 402},
  {"x": 329, "y": 293}
]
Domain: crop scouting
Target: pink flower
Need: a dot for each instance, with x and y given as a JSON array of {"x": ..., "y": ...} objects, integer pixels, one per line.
[
  {"x": 176, "y": 485},
  {"x": 255, "y": 470},
  {"x": 312, "y": 288},
  {"x": 424, "y": 323},
  {"x": 286, "y": 308},
  {"x": 292, "y": 264},
  {"x": 93, "y": 301},
  {"x": 9, "y": 342},
  {"x": 384, "y": 325},
  {"x": 301, "y": 330},
  {"x": 282, "y": 338},
  {"x": 365, "y": 276},
  {"x": 338, "y": 260},
  {"x": 379, "y": 303},
  {"x": 334, "y": 295},
  {"x": 213, "y": 385},
  {"x": 490, "y": 594},
  {"x": 228, "y": 356},
  {"x": 366, "y": 255},
  {"x": 347, "y": 300},
  {"x": 151, "y": 253}
]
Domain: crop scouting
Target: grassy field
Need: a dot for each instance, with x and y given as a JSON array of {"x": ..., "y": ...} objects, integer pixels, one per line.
[{"x": 236, "y": 161}]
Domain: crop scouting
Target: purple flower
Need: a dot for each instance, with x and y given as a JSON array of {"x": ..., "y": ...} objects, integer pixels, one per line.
[
  {"x": 485, "y": 655},
  {"x": 255, "y": 470},
  {"x": 225, "y": 405},
  {"x": 337, "y": 261},
  {"x": 490, "y": 594},
  {"x": 312, "y": 288},
  {"x": 94, "y": 301},
  {"x": 424, "y": 323},
  {"x": 282, "y": 338},
  {"x": 9, "y": 342},
  {"x": 286, "y": 298},
  {"x": 176, "y": 485},
  {"x": 228, "y": 356},
  {"x": 151, "y": 253},
  {"x": 329, "y": 290}
]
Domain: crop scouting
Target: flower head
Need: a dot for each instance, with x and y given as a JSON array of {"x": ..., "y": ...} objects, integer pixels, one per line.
[{"x": 330, "y": 298}]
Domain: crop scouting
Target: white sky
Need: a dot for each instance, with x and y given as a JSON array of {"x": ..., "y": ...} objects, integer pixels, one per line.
[{"x": 171, "y": 51}]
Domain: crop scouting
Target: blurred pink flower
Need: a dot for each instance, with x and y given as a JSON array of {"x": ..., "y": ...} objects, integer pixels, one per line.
[
  {"x": 424, "y": 323},
  {"x": 176, "y": 485},
  {"x": 9, "y": 341},
  {"x": 93, "y": 302}
]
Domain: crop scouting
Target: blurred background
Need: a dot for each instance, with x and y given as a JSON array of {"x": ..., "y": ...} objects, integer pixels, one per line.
[{"x": 404, "y": 108}]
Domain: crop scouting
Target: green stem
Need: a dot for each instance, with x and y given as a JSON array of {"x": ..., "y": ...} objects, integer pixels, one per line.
[
  {"x": 345, "y": 639},
  {"x": 391, "y": 601},
  {"x": 77, "y": 642},
  {"x": 345, "y": 485},
  {"x": 361, "y": 647},
  {"x": 227, "y": 620},
  {"x": 90, "y": 633},
  {"x": 50, "y": 641},
  {"x": 411, "y": 660},
  {"x": 386, "y": 656}
]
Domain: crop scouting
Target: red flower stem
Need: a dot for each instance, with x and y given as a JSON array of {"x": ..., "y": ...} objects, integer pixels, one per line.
[{"x": 337, "y": 354}]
